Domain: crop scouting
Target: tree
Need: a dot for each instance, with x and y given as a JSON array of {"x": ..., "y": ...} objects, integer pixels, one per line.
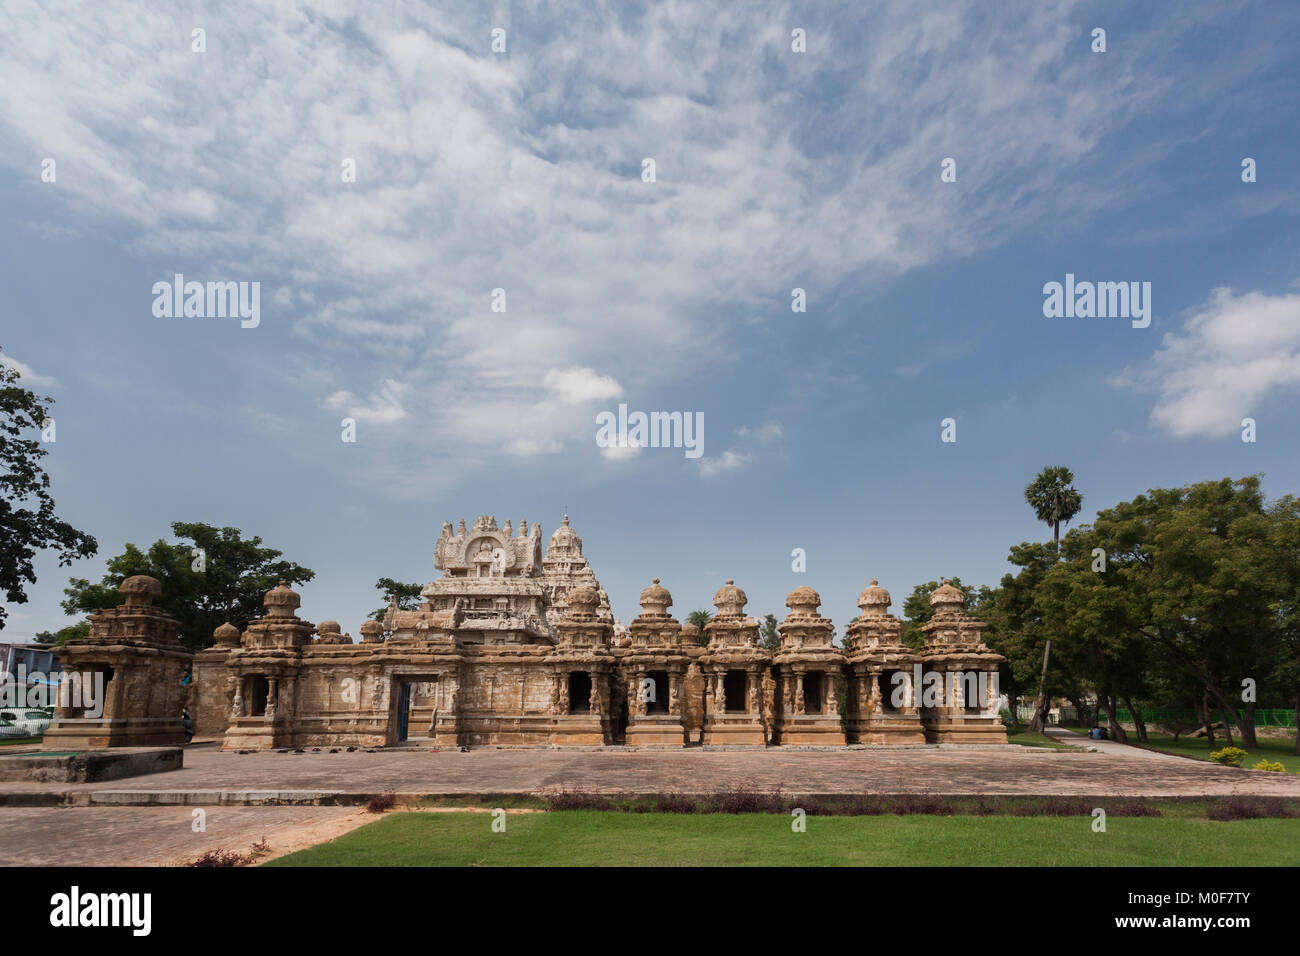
[
  {"x": 408, "y": 596},
  {"x": 64, "y": 634},
  {"x": 27, "y": 520},
  {"x": 1285, "y": 538},
  {"x": 1054, "y": 500},
  {"x": 700, "y": 619},
  {"x": 1199, "y": 578},
  {"x": 219, "y": 577},
  {"x": 768, "y": 637}
]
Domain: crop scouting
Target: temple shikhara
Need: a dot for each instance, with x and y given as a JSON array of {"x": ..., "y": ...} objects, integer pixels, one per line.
[{"x": 514, "y": 646}]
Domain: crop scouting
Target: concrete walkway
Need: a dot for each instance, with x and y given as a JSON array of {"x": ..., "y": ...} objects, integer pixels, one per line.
[{"x": 1063, "y": 736}]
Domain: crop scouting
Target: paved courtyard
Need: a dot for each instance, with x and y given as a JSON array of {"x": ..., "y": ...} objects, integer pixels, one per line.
[
  {"x": 161, "y": 836},
  {"x": 211, "y": 777}
]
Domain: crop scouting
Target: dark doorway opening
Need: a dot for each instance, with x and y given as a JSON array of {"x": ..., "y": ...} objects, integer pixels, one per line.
[
  {"x": 888, "y": 688},
  {"x": 579, "y": 692},
  {"x": 256, "y": 696},
  {"x": 657, "y": 692},
  {"x": 734, "y": 687},
  {"x": 812, "y": 692},
  {"x": 404, "y": 712}
]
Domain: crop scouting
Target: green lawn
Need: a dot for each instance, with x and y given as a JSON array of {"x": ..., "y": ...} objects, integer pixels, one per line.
[
  {"x": 593, "y": 838},
  {"x": 1273, "y": 748}
]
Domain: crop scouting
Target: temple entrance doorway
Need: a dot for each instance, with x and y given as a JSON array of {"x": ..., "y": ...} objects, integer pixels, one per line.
[
  {"x": 415, "y": 708},
  {"x": 579, "y": 692}
]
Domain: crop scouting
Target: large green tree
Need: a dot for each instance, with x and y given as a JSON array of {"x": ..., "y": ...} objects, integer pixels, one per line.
[
  {"x": 1199, "y": 579},
  {"x": 213, "y": 575},
  {"x": 1285, "y": 539},
  {"x": 28, "y": 523}
]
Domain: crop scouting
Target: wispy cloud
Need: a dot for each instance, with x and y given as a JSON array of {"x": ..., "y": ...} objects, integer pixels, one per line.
[{"x": 522, "y": 172}]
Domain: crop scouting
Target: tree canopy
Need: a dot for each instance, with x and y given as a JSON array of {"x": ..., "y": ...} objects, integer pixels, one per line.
[
  {"x": 28, "y": 523},
  {"x": 212, "y": 576},
  {"x": 1054, "y": 498}
]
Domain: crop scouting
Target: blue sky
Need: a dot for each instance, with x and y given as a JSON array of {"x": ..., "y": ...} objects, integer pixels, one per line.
[{"x": 522, "y": 171}]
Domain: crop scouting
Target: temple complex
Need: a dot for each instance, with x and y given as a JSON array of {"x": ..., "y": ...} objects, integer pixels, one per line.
[{"x": 516, "y": 647}]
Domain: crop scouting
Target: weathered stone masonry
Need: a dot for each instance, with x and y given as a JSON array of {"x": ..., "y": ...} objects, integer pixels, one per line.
[{"x": 511, "y": 647}]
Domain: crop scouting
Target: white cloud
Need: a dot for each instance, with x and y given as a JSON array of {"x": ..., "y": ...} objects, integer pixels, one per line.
[
  {"x": 29, "y": 378},
  {"x": 383, "y": 407},
  {"x": 1233, "y": 354},
  {"x": 729, "y": 460},
  {"x": 576, "y": 386},
  {"x": 762, "y": 434},
  {"x": 621, "y": 452}
]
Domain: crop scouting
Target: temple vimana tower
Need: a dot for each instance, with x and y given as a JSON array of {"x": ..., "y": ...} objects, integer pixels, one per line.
[{"x": 516, "y": 646}]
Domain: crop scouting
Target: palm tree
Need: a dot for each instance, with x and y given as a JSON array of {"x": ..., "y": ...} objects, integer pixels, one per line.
[
  {"x": 1054, "y": 499},
  {"x": 700, "y": 619}
]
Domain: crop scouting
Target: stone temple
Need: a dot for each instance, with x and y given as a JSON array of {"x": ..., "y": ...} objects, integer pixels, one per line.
[{"x": 514, "y": 646}]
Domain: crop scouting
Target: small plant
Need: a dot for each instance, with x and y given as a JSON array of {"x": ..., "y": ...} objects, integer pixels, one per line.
[
  {"x": 219, "y": 857},
  {"x": 1253, "y": 808},
  {"x": 1274, "y": 765},
  {"x": 381, "y": 802},
  {"x": 1228, "y": 756}
]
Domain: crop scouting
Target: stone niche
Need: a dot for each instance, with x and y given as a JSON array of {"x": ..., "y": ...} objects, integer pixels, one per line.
[
  {"x": 654, "y": 668},
  {"x": 581, "y": 664},
  {"x": 881, "y": 707},
  {"x": 808, "y": 668},
  {"x": 734, "y": 666},
  {"x": 135, "y": 651},
  {"x": 960, "y": 704}
]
